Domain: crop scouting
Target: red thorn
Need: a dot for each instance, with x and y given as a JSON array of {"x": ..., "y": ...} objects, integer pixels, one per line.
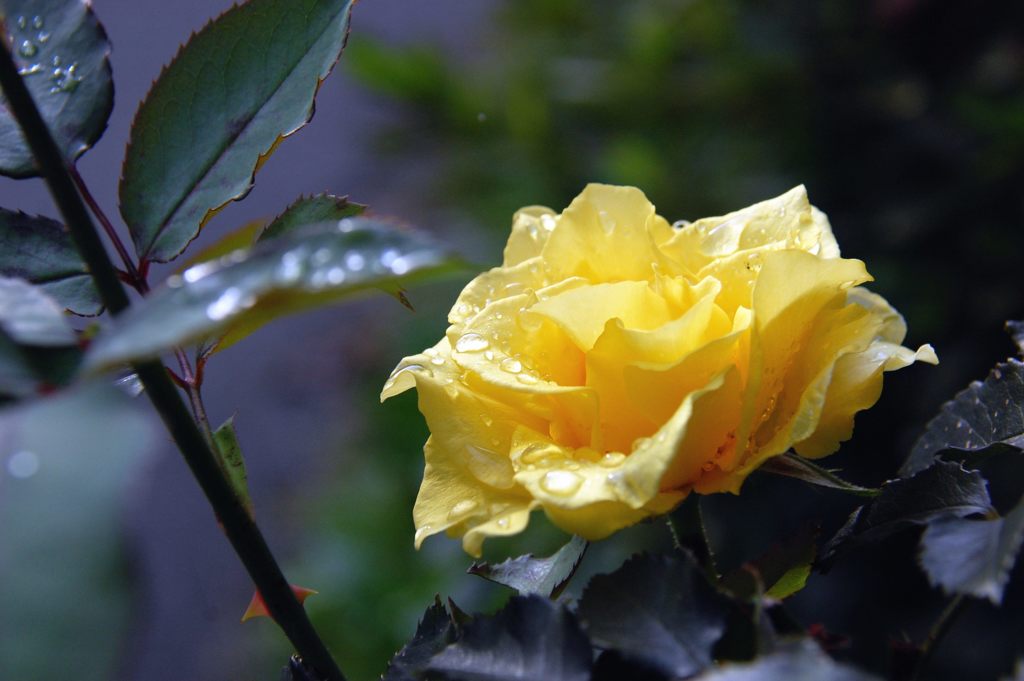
[{"x": 258, "y": 608}]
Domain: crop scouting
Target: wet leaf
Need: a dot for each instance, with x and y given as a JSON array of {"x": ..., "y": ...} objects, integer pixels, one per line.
[
  {"x": 530, "y": 639},
  {"x": 62, "y": 52},
  {"x": 984, "y": 419},
  {"x": 240, "y": 293},
  {"x": 435, "y": 631},
  {"x": 40, "y": 251},
  {"x": 658, "y": 610},
  {"x": 234, "y": 91},
  {"x": 542, "y": 576},
  {"x": 799, "y": 660},
  {"x": 229, "y": 456},
  {"x": 310, "y": 210},
  {"x": 66, "y": 464},
  {"x": 38, "y": 349},
  {"x": 973, "y": 557},
  {"x": 795, "y": 466},
  {"x": 944, "y": 490},
  {"x": 241, "y": 238}
]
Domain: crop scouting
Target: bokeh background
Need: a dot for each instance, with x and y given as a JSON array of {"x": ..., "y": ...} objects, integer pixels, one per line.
[{"x": 904, "y": 119}]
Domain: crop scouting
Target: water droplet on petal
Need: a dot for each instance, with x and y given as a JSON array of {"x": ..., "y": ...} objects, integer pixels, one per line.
[
  {"x": 437, "y": 361},
  {"x": 22, "y": 22},
  {"x": 527, "y": 379},
  {"x": 511, "y": 365},
  {"x": 355, "y": 261},
  {"x": 502, "y": 523},
  {"x": 612, "y": 459},
  {"x": 471, "y": 342},
  {"x": 640, "y": 443},
  {"x": 37, "y": 22},
  {"x": 461, "y": 509},
  {"x": 561, "y": 483},
  {"x": 27, "y": 48},
  {"x": 548, "y": 222}
]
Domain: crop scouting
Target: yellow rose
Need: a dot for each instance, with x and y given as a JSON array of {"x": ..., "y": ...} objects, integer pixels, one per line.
[{"x": 614, "y": 362}]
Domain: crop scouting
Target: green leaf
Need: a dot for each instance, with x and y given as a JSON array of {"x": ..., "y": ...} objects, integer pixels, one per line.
[
  {"x": 40, "y": 251},
  {"x": 65, "y": 590},
  {"x": 800, "y": 660},
  {"x": 62, "y": 53},
  {"x": 796, "y": 466},
  {"x": 38, "y": 350},
  {"x": 783, "y": 569},
  {"x": 236, "y": 295},
  {"x": 530, "y": 639},
  {"x": 435, "y": 631},
  {"x": 973, "y": 557},
  {"x": 659, "y": 611},
  {"x": 944, "y": 490},
  {"x": 229, "y": 456},
  {"x": 542, "y": 576},
  {"x": 242, "y": 84},
  {"x": 310, "y": 210},
  {"x": 981, "y": 420}
]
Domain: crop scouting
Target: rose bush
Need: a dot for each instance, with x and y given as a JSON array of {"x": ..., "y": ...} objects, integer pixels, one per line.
[{"x": 616, "y": 362}]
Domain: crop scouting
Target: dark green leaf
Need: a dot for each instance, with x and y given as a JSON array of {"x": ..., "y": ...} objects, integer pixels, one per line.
[
  {"x": 67, "y": 463},
  {"x": 38, "y": 350},
  {"x": 311, "y": 210},
  {"x": 40, "y": 251},
  {"x": 658, "y": 610},
  {"x": 239, "y": 86},
  {"x": 542, "y": 576},
  {"x": 944, "y": 490},
  {"x": 530, "y": 639},
  {"x": 796, "y": 466},
  {"x": 799, "y": 660},
  {"x": 435, "y": 631},
  {"x": 62, "y": 53},
  {"x": 241, "y": 292},
  {"x": 229, "y": 456},
  {"x": 783, "y": 569},
  {"x": 973, "y": 557},
  {"x": 985, "y": 417}
]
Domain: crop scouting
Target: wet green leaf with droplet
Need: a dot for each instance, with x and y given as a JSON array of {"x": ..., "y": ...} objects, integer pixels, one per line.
[
  {"x": 309, "y": 210},
  {"x": 40, "y": 250},
  {"x": 242, "y": 291},
  {"x": 61, "y": 51},
  {"x": 229, "y": 456},
  {"x": 984, "y": 419},
  {"x": 66, "y": 464},
  {"x": 38, "y": 349},
  {"x": 528, "y": 575},
  {"x": 233, "y": 92}
]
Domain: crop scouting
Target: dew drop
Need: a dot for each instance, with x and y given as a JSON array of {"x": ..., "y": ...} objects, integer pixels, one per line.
[
  {"x": 27, "y": 48},
  {"x": 527, "y": 379},
  {"x": 437, "y": 361},
  {"x": 502, "y": 523},
  {"x": 23, "y": 464},
  {"x": 488, "y": 421},
  {"x": 612, "y": 459},
  {"x": 511, "y": 365},
  {"x": 640, "y": 443},
  {"x": 471, "y": 342},
  {"x": 679, "y": 224},
  {"x": 29, "y": 70},
  {"x": 548, "y": 222},
  {"x": 224, "y": 305},
  {"x": 355, "y": 261},
  {"x": 37, "y": 22},
  {"x": 22, "y": 23},
  {"x": 561, "y": 483},
  {"x": 336, "y": 275},
  {"x": 489, "y": 355},
  {"x": 461, "y": 509},
  {"x": 43, "y": 36}
]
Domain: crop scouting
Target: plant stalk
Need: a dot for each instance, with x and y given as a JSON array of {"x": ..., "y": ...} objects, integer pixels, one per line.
[
  {"x": 242, "y": 532},
  {"x": 936, "y": 634}
]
